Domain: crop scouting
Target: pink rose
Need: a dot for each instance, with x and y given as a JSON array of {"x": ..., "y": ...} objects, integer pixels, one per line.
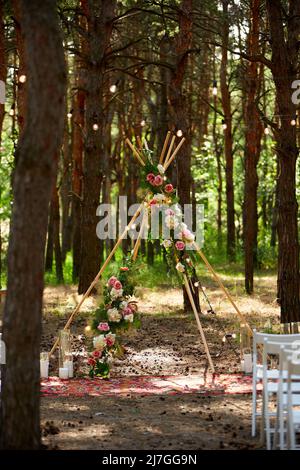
[
  {"x": 180, "y": 245},
  {"x": 111, "y": 281},
  {"x": 103, "y": 326},
  {"x": 153, "y": 202},
  {"x": 91, "y": 362},
  {"x": 109, "y": 342},
  {"x": 97, "y": 354},
  {"x": 169, "y": 212},
  {"x": 169, "y": 188},
  {"x": 158, "y": 181},
  {"x": 117, "y": 285},
  {"x": 124, "y": 268},
  {"x": 127, "y": 311},
  {"x": 150, "y": 178}
]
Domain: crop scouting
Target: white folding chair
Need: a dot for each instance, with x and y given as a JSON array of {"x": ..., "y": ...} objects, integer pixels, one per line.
[
  {"x": 293, "y": 425},
  {"x": 258, "y": 341},
  {"x": 280, "y": 389}
]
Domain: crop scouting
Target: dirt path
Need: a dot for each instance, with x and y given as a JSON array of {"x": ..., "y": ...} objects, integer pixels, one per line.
[{"x": 167, "y": 343}]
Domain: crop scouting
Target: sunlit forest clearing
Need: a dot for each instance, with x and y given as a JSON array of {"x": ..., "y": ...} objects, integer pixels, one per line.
[{"x": 149, "y": 269}]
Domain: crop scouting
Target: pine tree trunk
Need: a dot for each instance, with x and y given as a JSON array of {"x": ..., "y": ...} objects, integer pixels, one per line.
[
  {"x": 226, "y": 104},
  {"x": 285, "y": 48},
  {"x": 34, "y": 177},
  {"x": 3, "y": 72},
  {"x": 56, "y": 236},
  {"x": 252, "y": 150},
  {"x": 99, "y": 19}
]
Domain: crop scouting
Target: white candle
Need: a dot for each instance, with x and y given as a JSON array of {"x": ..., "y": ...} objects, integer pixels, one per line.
[
  {"x": 44, "y": 367},
  {"x": 69, "y": 366},
  {"x": 248, "y": 363},
  {"x": 63, "y": 373}
]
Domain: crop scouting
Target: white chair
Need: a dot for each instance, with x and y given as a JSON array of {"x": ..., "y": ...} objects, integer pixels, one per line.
[
  {"x": 280, "y": 428},
  {"x": 293, "y": 415},
  {"x": 259, "y": 340}
]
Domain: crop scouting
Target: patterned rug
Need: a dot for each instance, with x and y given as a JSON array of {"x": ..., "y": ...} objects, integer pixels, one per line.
[{"x": 220, "y": 384}]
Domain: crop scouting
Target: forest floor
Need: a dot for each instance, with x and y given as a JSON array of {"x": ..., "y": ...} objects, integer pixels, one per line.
[{"x": 168, "y": 343}]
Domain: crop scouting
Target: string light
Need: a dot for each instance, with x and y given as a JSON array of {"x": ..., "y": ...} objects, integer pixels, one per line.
[
  {"x": 143, "y": 123},
  {"x": 179, "y": 133},
  {"x": 224, "y": 125},
  {"x": 294, "y": 121},
  {"x": 196, "y": 284},
  {"x": 11, "y": 112},
  {"x": 95, "y": 127},
  {"x": 215, "y": 88},
  {"x": 266, "y": 130},
  {"x": 22, "y": 78},
  {"x": 69, "y": 115},
  {"x": 113, "y": 88}
]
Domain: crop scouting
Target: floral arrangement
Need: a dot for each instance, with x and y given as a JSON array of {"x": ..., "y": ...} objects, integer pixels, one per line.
[
  {"x": 118, "y": 312},
  {"x": 163, "y": 196}
]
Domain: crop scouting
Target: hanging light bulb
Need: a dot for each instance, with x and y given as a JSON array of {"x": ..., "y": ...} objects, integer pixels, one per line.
[
  {"x": 113, "y": 88},
  {"x": 95, "y": 127},
  {"x": 196, "y": 284},
  {"x": 11, "y": 112},
  {"x": 69, "y": 115},
  {"x": 143, "y": 123},
  {"x": 179, "y": 133},
  {"x": 294, "y": 121},
  {"x": 215, "y": 88},
  {"x": 267, "y": 130},
  {"x": 224, "y": 125},
  {"x": 22, "y": 78}
]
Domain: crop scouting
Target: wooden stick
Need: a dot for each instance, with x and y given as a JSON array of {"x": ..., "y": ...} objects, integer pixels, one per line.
[
  {"x": 138, "y": 241},
  {"x": 221, "y": 285},
  {"x": 139, "y": 142},
  {"x": 170, "y": 149},
  {"x": 189, "y": 293},
  {"x": 161, "y": 158},
  {"x": 87, "y": 293},
  {"x": 169, "y": 161},
  {"x": 135, "y": 152}
]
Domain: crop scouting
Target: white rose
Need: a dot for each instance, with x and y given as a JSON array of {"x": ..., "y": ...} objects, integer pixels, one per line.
[
  {"x": 123, "y": 305},
  {"x": 180, "y": 267},
  {"x": 171, "y": 221},
  {"x": 167, "y": 243},
  {"x": 99, "y": 342},
  {"x": 159, "y": 198},
  {"x": 115, "y": 293},
  {"x": 114, "y": 315},
  {"x": 129, "y": 318},
  {"x": 161, "y": 169}
]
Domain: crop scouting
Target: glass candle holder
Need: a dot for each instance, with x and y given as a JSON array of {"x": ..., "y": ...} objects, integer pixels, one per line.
[
  {"x": 64, "y": 347},
  {"x": 44, "y": 365},
  {"x": 246, "y": 352}
]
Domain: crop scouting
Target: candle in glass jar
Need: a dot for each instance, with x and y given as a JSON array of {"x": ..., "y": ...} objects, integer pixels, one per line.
[
  {"x": 248, "y": 363},
  {"x": 44, "y": 367},
  {"x": 63, "y": 373},
  {"x": 69, "y": 365}
]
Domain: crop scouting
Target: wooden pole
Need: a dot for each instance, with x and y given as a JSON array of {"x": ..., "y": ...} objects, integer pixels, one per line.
[
  {"x": 171, "y": 158},
  {"x": 87, "y": 293},
  {"x": 138, "y": 241},
  {"x": 188, "y": 289},
  {"x": 161, "y": 158},
  {"x": 221, "y": 285},
  {"x": 135, "y": 152},
  {"x": 170, "y": 149}
]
